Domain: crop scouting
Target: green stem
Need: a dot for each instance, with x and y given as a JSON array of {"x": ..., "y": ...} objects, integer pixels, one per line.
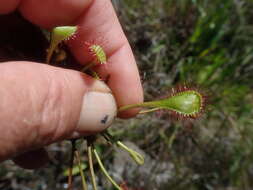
[
  {"x": 173, "y": 136},
  {"x": 91, "y": 167},
  {"x": 81, "y": 170},
  {"x": 88, "y": 66},
  {"x": 70, "y": 177},
  {"x": 148, "y": 111},
  {"x": 130, "y": 106},
  {"x": 104, "y": 170}
]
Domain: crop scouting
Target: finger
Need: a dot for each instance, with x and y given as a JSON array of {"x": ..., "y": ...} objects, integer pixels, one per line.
[
  {"x": 98, "y": 23},
  {"x": 53, "y": 13},
  {"x": 32, "y": 159},
  {"x": 7, "y": 6},
  {"x": 41, "y": 104}
]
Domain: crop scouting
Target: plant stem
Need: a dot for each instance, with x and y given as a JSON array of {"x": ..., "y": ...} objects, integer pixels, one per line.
[
  {"x": 91, "y": 167},
  {"x": 88, "y": 66},
  {"x": 173, "y": 136},
  {"x": 71, "y": 163},
  {"x": 149, "y": 110},
  {"x": 109, "y": 138},
  {"x": 130, "y": 106},
  {"x": 104, "y": 170},
  {"x": 81, "y": 170},
  {"x": 49, "y": 54}
]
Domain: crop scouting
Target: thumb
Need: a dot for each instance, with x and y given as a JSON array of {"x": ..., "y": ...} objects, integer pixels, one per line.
[{"x": 41, "y": 104}]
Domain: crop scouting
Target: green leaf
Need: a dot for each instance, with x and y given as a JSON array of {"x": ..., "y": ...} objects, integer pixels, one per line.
[{"x": 185, "y": 102}]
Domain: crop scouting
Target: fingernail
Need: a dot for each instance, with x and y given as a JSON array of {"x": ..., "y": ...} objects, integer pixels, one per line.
[{"x": 97, "y": 113}]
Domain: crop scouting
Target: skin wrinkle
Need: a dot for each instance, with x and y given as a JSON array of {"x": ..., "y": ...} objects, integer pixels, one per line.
[
  {"x": 15, "y": 131},
  {"x": 104, "y": 68},
  {"x": 49, "y": 104},
  {"x": 85, "y": 12},
  {"x": 31, "y": 97},
  {"x": 9, "y": 127},
  {"x": 35, "y": 120},
  {"x": 65, "y": 83},
  {"x": 118, "y": 48},
  {"x": 53, "y": 108}
]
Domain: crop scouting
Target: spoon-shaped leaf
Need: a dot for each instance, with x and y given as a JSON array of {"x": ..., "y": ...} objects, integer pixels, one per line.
[{"x": 186, "y": 103}]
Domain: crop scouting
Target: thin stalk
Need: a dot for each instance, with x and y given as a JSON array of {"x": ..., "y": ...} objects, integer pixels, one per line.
[
  {"x": 173, "y": 136},
  {"x": 108, "y": 137},
  {"x": 81, "y": 170},
  {"x": 49, "y": 55},
  {"x": 144, "y": 104},
  {"x": 88, "y": 66},
  {"x": 148, "y": 111},
  {"x": 93, "y": 178},
  {"x": 104, "y": 170},
  {"x": 71, "y": 163},
  {"x": 95, "y": 75}
]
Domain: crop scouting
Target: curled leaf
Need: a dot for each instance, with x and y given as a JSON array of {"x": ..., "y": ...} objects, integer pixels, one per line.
[{"x": 138, "y": 158}]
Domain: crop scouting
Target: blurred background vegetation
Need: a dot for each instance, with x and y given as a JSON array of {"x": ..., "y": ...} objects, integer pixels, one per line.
[{"x": 208, "y": 43}]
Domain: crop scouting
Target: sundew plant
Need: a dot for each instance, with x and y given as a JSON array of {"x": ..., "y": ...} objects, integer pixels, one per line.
[
  {"x": 183, "y": 102},
  {"x": 192, "y": 47}
]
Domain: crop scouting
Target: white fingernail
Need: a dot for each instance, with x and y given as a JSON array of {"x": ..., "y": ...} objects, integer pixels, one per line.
[{"x": 97, "y": 113}]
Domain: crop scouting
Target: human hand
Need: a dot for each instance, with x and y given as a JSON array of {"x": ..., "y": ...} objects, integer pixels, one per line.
[{"x": 41, "y": 104}]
